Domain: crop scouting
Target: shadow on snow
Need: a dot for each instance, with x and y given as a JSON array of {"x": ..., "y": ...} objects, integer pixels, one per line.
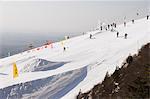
[{"x": 53, "y": 87}]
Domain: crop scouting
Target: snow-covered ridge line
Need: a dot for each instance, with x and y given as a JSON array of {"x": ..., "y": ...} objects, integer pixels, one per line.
[
  {"x": 116, "y": 60},
  {"x": 100, "y": 54}
]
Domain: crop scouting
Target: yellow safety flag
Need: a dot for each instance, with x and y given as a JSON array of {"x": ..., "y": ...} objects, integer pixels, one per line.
[{"x": 15, "y": 70}]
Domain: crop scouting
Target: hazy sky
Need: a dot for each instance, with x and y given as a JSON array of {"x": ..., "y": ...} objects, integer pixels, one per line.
[
  {"x": 24, "y": 22},
  {"x": 64, "y": 16}
]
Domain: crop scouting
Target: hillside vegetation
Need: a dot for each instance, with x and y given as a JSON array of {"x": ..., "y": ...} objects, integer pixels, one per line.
[{"x": 131, "y": 81}]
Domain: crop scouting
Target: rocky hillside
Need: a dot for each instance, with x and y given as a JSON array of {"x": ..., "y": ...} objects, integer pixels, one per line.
[{"x": 131, "y": 81}]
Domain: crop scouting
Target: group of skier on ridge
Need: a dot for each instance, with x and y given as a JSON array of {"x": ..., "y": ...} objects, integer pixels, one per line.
[
  {"x": 128, "y": 60},
  {"x": 114, "y": 25},
  {"x": 111, "y": 28}
]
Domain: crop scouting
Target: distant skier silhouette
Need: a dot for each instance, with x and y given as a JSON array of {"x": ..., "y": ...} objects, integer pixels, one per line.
[
  {"x": 124, "y": 24},
  {"x": 125, "y": 36},
  {"x": 133, "y": 21},
  {"x": 108, "y": 26},
  {"x": 90, "y": 36},
  {"x": 117, "y": 34},
  {"x": 111, "y": 25},
  {"x": 101, "y": 28},
  {"x": 64, "y": 48},
  {"x": 147, "y": 17},
  {"x": 115, "y": 25},
  {"x": 68, "y": 37}
]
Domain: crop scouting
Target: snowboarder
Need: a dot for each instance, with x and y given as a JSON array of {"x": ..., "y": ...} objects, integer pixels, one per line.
[
  {"x": 132, "y": 21},
  {"x": 117, "y": 34},
  {"x": 125, "y": 36},
  {"x": 147, "y": 17},
  {"x": 90, "y": 36}
]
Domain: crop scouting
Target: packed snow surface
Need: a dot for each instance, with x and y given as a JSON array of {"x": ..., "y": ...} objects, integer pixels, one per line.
[{"x": 53, "y": 73}]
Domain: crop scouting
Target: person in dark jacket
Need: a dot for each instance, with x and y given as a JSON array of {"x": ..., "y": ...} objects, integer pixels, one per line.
[
  {"x": 124, "y": 24},
  {"x": 115, "y": 25},
  {"x": 129, "y": 59},
  {"x": 68, "y": 37},
  {"x": 133, "y": 21},
  {"x": 117, "y": 34},
  {"x": 111, "y": 25},
  {"x": 108, "y": 26},
  {"x": 125, "y": 36},
  {"x": 64, "y": 48},
  {"x": 90, "y": 36},
  {"x": 147, "y": 17},
  {"x": 101, "y": 28}
]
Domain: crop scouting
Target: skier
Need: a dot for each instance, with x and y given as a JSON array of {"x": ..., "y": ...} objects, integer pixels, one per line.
[
  {"x": 101, "y": 28},
  {"x": 147, "y": 17},
  {"x": 117, "y": 34},
  {"x": 90, "y": 36},
  {"x": 124, "y": 24},
  {"x": 111, "y": 25},
  {"x": 132, "y": 21},
  {"x": 64, "y": 48},
  {"x": 68, "y": 37},
  {"x": 115, "y": 25},
  {"x": 125, "y": 36},
  {"x": 108, "y": 26}
]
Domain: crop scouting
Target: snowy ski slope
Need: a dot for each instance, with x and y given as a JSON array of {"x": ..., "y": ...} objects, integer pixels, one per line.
[{"x": 83, "y": 64}]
